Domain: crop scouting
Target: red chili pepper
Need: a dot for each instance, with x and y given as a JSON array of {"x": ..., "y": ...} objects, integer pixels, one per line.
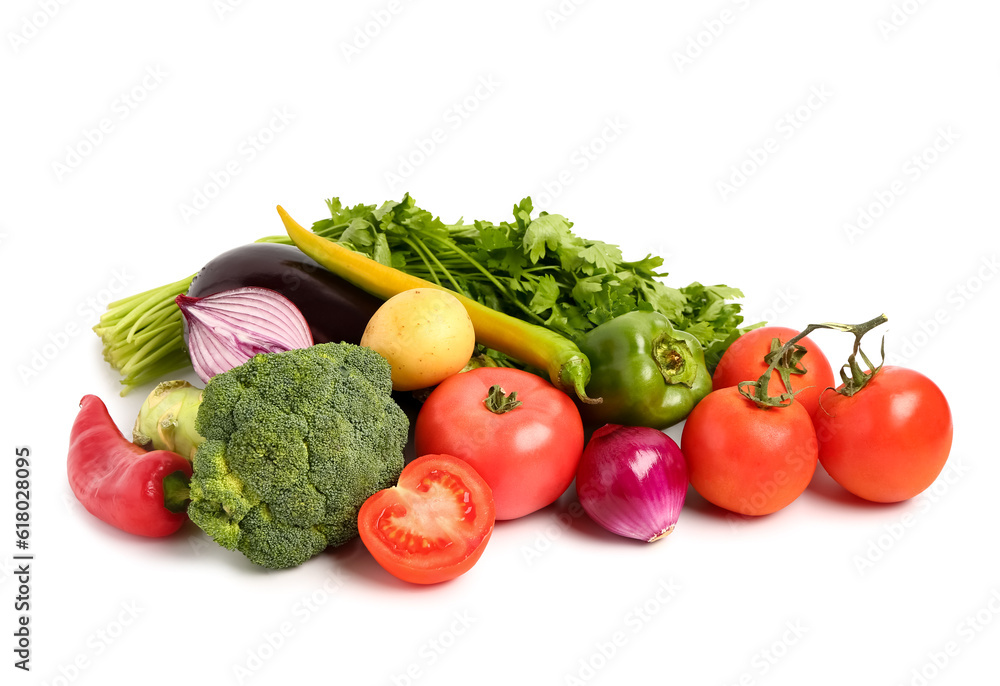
[{"x": 119, "y": 482}]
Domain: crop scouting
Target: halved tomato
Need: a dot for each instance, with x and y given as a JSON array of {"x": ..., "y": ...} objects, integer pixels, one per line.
[{"x": 433, "y": 525}]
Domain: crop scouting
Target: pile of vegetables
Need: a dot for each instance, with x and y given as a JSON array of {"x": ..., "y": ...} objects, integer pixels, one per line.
[
  {"x": 520, "y": 339},
  {"x": 536, "y": 270}
]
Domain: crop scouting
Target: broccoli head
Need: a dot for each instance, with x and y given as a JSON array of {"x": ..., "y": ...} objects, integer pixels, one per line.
[{"x": 295, "y": 442}]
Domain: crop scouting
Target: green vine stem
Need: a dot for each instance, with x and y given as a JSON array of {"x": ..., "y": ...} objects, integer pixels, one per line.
[{"x": 787, "y": 360}]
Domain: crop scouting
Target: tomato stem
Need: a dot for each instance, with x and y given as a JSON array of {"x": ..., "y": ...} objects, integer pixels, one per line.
[
  {"x": 498, "y": 402},
  {"x": 859, "y": 377},
  {"x": 787, "y": 359}
]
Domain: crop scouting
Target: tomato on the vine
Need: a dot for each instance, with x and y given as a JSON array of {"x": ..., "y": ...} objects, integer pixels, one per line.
[
  {"x": 889, "y": 440},
  {"x": 433, "y": 525},
  {"x": 748, "y": 459},
  {"x": 744, "y": 361},
  {"x": 522, "y": 434}
]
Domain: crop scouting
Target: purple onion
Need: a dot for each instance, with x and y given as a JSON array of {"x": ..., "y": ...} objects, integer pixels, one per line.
[
  {"x": 226, "y": 329},
  {"x": 632, "y": 481}
]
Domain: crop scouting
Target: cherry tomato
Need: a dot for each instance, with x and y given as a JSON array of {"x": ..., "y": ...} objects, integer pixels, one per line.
[
  {"x": 748, "y": 459},
  {"x": 527, "y": 452},
  {"x": 890, "y": 440},
  {"x": 744, "y": 361},
  {"x": 434, "y": 525}
]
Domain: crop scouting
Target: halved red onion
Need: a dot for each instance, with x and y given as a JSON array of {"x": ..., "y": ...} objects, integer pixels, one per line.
[
  {"x": 226, "y": 329},
  {"x": 632, "y": 481}
]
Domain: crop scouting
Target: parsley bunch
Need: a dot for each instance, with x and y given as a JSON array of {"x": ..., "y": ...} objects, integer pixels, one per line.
[{"x": 535, "y": 269}]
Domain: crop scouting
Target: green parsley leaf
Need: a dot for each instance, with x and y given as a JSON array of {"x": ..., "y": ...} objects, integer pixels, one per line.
[
  {"x": 547, "y": 232},
  {"x": 602, "y": 255}
]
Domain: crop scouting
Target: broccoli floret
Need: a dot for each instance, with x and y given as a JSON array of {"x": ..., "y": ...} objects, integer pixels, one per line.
[{"x": 295, "y": 442}]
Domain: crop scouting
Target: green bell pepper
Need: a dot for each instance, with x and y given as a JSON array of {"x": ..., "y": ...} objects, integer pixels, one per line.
[{"x": 648, "y": 373}]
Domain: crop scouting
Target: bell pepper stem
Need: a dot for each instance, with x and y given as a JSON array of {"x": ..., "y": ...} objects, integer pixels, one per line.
[{"x": 674, "y": 359}]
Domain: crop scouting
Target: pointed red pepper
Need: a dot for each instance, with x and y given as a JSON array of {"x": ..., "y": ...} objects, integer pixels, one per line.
[{"x": 143, "y": 493}]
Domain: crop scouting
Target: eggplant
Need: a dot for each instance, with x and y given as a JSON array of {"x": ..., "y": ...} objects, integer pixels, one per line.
[{"x": 334, "y": 309}]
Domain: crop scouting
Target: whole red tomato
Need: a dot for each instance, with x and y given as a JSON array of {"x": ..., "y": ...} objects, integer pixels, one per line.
[
  {"x": 745, "y": 458},
  {"x": 744, "y": 361},
  {"x": 526, "y": 448},
  {"x": 888, "y": 441}
]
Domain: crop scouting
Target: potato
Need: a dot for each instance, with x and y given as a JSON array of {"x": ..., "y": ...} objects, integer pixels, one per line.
[{"x": 424, "y": 333}]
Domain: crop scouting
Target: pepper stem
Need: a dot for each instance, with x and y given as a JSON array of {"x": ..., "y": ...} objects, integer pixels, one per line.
[
  {"x": 675, "y": 360},
  {"x": 573, "y": 377},
  {"x": 176, "y": 492},
  {"x": 787, "y": 358}
]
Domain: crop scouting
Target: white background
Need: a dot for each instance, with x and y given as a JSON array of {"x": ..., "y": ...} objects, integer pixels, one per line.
[{"x": 869, "y": 607}]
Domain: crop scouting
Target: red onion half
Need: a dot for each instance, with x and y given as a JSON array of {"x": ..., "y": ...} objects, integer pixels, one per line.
[
  {"x": 226, "y": 329},
  {"x": 632, "y": 481}
]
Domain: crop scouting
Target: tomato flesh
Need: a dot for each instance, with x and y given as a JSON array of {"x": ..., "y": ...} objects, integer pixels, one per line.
[{"x": 433, "y": 525}]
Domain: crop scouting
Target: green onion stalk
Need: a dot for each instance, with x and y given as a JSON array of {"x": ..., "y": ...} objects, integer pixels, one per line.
[{"x": 143, "y": 335}]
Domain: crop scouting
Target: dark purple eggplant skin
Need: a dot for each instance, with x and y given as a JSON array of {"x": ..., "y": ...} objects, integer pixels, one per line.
[{"x": 334, "y": 309}]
